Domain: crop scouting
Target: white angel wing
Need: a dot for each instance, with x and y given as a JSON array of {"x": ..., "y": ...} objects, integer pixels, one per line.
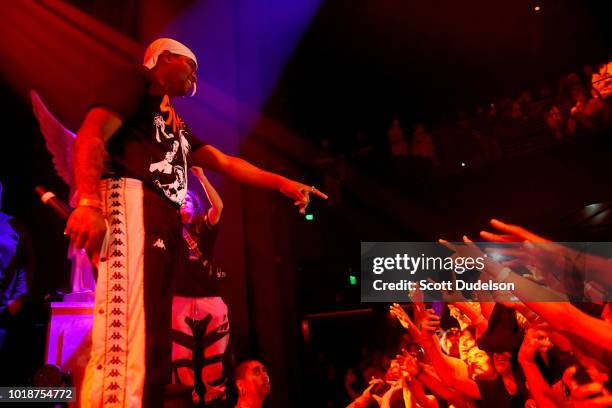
[{"x": 60, "y": 141}]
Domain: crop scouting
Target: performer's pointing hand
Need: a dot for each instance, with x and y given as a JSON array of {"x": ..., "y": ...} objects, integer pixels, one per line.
[{"x": 300, "y": 193}]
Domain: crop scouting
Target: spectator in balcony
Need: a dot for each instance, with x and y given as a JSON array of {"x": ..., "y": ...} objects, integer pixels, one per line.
[
  {"x": 505, "y": 109},
  {"x": 423, "y": 156},
  {"x": 592, "y": 113},
  {"x": 517, "y": 113},
  {"x": 562, "y": 128},
  {"x": 564, "y": 100},
  {"x": 601, "y": 81},
  {"x": 545, "y": 95},
  {"x": 398, "y": 145},
  {"x": 529, "y": 107},
  {"x": 542, "y": 104},
  {"x": 422, "y": 146},
  {"x": 572, "y": 79},
  {"x": 399, "y": 149}
]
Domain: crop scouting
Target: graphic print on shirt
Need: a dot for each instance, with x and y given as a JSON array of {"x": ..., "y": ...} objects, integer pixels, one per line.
[{"x": 168, "y": 172}]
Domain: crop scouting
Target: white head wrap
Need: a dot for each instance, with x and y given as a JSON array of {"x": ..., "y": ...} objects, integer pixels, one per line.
[{"x": 167, "y": 44}]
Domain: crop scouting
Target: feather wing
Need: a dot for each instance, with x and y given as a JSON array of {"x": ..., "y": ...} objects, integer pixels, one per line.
[{"x": 60, "y": 141}]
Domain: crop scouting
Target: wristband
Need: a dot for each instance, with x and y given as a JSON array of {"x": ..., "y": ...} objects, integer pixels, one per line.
[{"x": 89, "y": 202}]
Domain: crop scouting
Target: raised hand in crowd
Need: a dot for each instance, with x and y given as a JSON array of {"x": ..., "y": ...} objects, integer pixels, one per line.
[
  {"x": 536, "y": 341},
  {"x": 549, "y": 257},
  {"x": 511, "y": 233},
  {"x": 592, "y": 395},
  {"x": 398, "y": 311},
  {"x": 525, "y": 289},
  {"x": 561, "y": 315},
  {"x": 390, "y": 395},
  {"x": 365, "y": 398},
  {"x": 457, "y": 314}
]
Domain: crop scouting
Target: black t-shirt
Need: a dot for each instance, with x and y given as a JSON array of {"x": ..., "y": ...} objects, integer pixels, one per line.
[
  {"x": 198, "y": 277},
  {"x": 494, "y": 394},
  {"x": 153, "y": 144}
]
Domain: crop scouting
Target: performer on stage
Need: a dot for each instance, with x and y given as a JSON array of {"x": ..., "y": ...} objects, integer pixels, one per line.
[
  {"x": 128, "y": 217},
  {"x": 200, "y": 321}
]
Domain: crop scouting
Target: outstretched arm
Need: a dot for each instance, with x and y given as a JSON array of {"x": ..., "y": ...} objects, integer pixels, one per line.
[
  {"x": 597, "y": 267},
  {"x": 416, "y": 369},
  {"x": 431, "y": 381},
  {"x": 243, "y": 171},
  {"x": 558, "y": 312},
  {"x": 363, "y": 400},
  {"x": 445, "y": 370},
  {"x": 565, "y": 317},
  {"x": 390, "y": 395}
]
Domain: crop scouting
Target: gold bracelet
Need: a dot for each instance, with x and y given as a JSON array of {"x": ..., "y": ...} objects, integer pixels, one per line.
[{"x": 90, "y": 202}]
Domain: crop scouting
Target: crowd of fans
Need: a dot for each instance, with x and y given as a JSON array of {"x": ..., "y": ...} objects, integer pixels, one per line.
[
  {"x": 508, "y": 127},
  {"x": 502, "y": 352},
  {"x": 489, "y": 352}
]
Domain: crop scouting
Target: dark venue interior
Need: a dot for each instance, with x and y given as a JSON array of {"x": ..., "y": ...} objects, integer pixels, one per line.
[{"x": 419, "y": 120}]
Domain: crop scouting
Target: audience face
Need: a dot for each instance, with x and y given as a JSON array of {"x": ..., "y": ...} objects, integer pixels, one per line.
[
  {"x": 394, "y": 372},
  {"x": 255, "y": 382},
  {"x": 479, "y": 364},
  {"x": 395, "y": 133},
  {"x": 466, "y": 343},
  {"x": 452, "y": 342},
  {"x": 525, "y": 96},
  {"x": 573, "y": 78},
  {"x": 578, "y": 94},
  {"x": 187, "y": 209},
  {"x": 544, "y": 93},
  {"x": 502, "y": 362}
]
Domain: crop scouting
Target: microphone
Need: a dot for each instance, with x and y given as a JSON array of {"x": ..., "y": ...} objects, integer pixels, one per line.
[
  {"x": 49, "y": 198},
  {"x": 63, "y": 211}
]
